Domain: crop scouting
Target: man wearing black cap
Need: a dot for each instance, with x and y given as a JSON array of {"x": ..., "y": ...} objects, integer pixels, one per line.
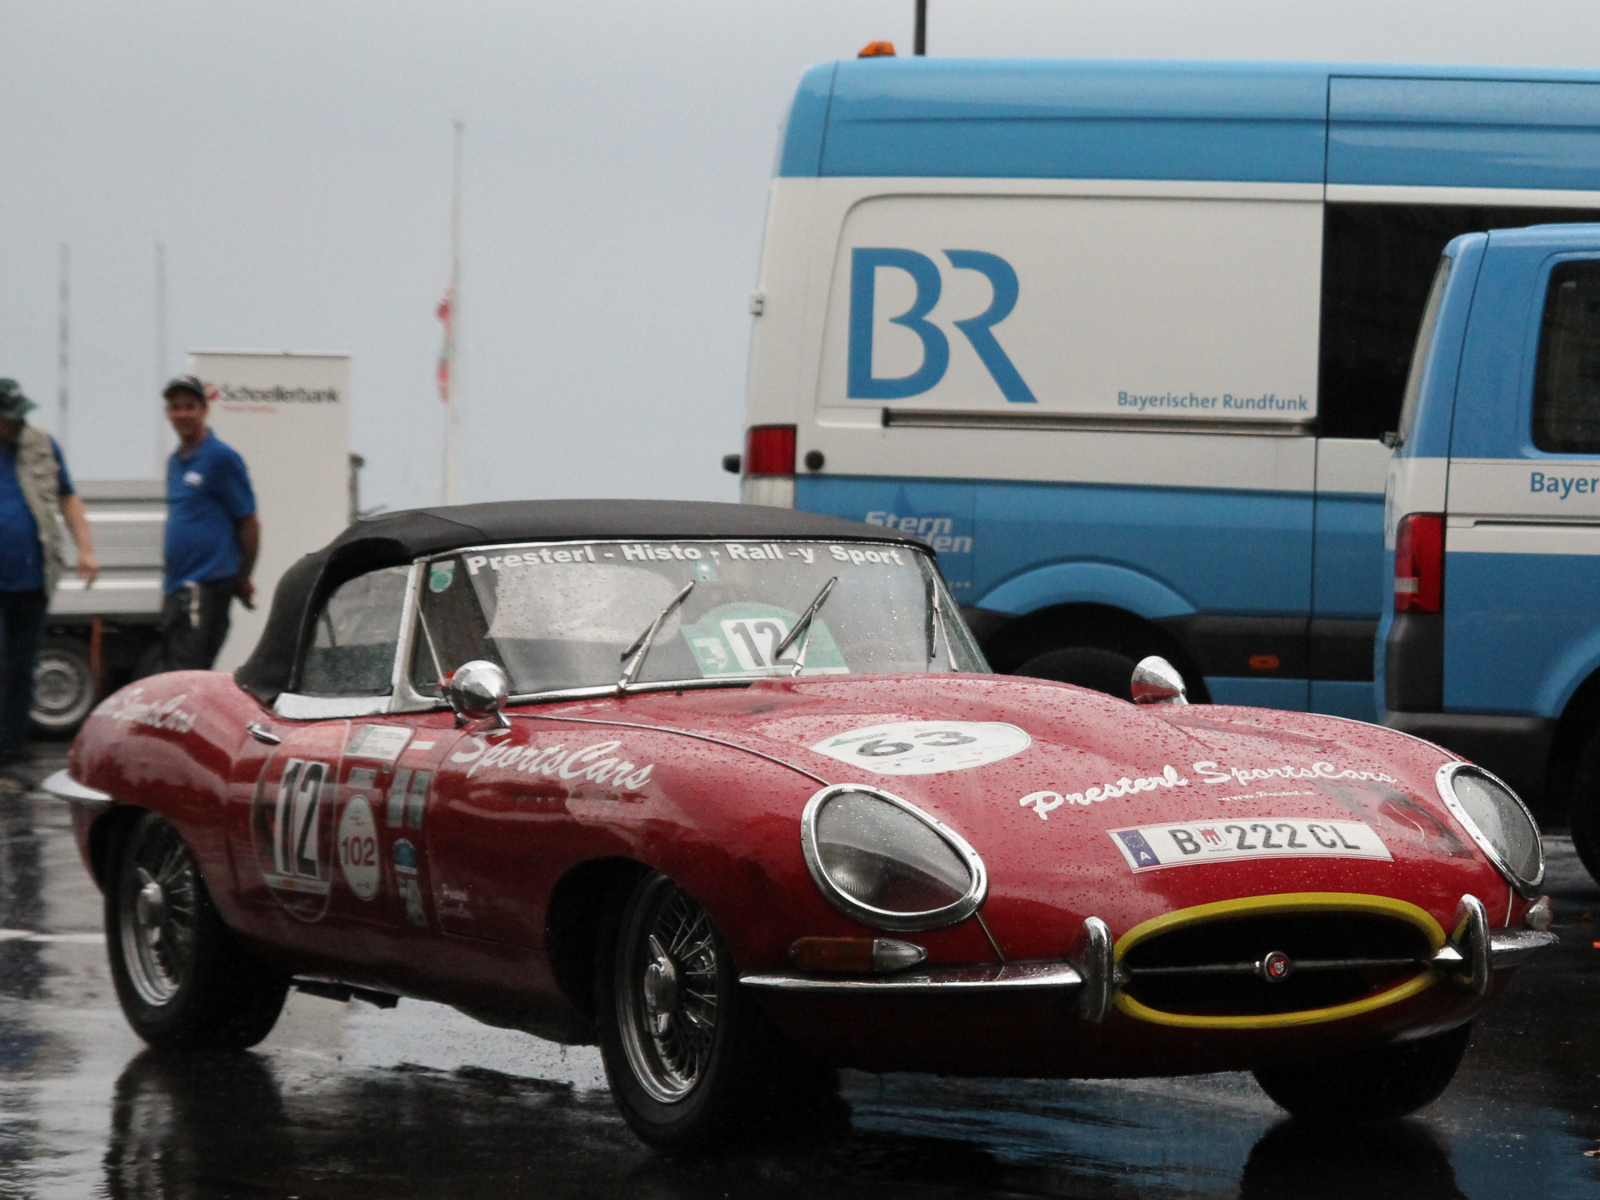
[
  {"x": 212, "y": 533},
  {"x": 34, "y": 487}
]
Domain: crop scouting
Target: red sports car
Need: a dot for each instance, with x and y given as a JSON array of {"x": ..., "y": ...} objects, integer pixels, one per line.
[{"x": 728, "y": 790}]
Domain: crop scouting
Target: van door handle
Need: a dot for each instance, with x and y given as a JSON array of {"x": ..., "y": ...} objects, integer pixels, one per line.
[{"x": 262, "y": 734}]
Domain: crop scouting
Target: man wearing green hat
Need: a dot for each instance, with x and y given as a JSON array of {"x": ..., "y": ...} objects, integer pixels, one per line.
[{"x": 34, "y": 487}]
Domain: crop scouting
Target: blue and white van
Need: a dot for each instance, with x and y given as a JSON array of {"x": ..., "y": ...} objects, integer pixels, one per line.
[
  {"x": 1492, "y": 647},
  {"x": 1122, "y": 340}
]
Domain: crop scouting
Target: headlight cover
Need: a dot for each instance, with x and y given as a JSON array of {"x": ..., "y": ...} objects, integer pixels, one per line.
[
  {"x": 887, "y": 863},
  {"x": 1497, "y": 820}
]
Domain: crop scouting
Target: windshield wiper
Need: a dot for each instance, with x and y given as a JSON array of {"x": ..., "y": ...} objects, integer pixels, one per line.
[
  {"x": 936, "y": 629},
  {"x": 802, "y": 629},
  {"x": 640, "y": 648}
]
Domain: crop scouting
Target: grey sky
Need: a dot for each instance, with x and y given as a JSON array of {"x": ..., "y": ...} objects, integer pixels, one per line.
[{"x": 294, "y": 157}]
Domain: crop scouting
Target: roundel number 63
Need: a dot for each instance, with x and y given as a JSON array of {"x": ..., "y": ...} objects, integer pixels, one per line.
[{"x": 938, "y": 739}]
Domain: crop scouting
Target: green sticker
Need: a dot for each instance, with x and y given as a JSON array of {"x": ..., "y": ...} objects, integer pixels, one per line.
[
  {"x": 738, "y": 639},
  {"x": 442, "y": 576}
]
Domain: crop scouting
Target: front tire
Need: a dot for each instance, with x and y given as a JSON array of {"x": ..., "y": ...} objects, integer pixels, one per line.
[
  {"x": 183, "y": 980},
  {"x": 1383, "y": 1083},
  {"x": 690, "y": 1057}
]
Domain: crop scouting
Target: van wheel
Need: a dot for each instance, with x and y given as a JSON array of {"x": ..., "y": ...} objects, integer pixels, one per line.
[
  {"x": 1383, "y": 1083},
  {"x": 1583, "y": 803},
  {"x": 183, "y": 980},
  {"x": 63, "y": 687},
  {"x": 1098, "y": 668}
]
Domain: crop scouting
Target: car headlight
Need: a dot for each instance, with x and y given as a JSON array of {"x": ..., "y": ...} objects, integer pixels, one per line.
[
  {"x": 886, "y": 863},
  {"x": 1497, "y": 821}
]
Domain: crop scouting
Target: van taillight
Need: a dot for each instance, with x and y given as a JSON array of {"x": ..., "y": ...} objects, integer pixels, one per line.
[
  {"x": 1419, "y": 564},
  {"x": 769, "y": 450}
]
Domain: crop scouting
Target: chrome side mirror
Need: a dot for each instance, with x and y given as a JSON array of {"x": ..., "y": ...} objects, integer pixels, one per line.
[
  {"x": 477, "y": 688},
  {"x": 1156, "y": 681}
]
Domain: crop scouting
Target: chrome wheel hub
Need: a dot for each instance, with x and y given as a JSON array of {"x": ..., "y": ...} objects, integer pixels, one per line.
[
  {"x": 156, "y": 913},
  {"x": 669, "y": 967}
]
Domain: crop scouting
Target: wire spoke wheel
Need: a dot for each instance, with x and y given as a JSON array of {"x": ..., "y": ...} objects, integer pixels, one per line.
[
  {"x": 668, "y": 990},
  {"x": 157, "y": 914}
]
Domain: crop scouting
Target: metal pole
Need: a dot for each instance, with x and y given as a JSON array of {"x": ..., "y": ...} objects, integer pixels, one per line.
[
  {"x": 61, "y": 353},
  {"x": 161, "y": 354},
  {"x": 452, "y": 435},
  {"x": 919, "y": 43}
]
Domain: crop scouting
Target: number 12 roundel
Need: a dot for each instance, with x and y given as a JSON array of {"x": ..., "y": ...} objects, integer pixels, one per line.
[{"x": 292, "y": 825}]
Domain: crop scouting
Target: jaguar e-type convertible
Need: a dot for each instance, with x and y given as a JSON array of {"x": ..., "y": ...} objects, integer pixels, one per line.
[{"x": 730, "y": 791}]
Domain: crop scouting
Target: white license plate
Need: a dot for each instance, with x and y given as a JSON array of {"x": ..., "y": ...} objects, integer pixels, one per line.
[{"x": 1152, "y": 847}]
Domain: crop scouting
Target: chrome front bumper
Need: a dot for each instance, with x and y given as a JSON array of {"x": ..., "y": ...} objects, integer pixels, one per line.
[
  {"x": 1470, "y": 958},
  {"x": 63, "y": 786}
]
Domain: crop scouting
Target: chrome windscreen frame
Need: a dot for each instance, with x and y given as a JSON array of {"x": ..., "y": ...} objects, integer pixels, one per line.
[
  {"x": 407, "y": 699},
  {"x": 878, "y": 918},
  {"x": 1444, "y": 782}
]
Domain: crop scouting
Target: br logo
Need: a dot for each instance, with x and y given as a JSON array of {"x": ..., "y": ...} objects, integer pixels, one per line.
[{"x": 867, "y": 261}]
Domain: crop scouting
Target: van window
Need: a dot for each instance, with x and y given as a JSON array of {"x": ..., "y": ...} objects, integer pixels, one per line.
[
  {"x": 1566, "y": 386},
  {"x": 1377, "y": 262},
  {"x": 354, "y": 637},
  {"x": 1419, "y": 354}
]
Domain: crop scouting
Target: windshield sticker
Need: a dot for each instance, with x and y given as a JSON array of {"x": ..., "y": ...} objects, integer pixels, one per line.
[
  {"x": 858, "y": 556},
  {"x": 1044, "y": 802},
  {"x": 595, "y": 763},
  {"x": 925, "y": 747},
  {"x": 738, "y": 639},
  {"x": 442, "y": 576},
  {"x": 382, "y": 742},
  {"x": 1154, "y": 847},
  {"x": 358, "y": 848}
]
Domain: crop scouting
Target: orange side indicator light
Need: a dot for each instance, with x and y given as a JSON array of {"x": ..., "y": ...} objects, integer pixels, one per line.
[
  {"x": 1264, "y": 662},
  {"x": 854, "y": 956},
  {"x": 877, "y": 50}
]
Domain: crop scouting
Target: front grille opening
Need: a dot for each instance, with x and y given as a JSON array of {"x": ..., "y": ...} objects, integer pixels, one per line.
[{"x": 1211, "y": 969}]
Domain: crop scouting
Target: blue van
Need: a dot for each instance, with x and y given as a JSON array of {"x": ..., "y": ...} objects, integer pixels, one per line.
[
  {"x": 1123, "y": 340},
  {"x": 1492, "y": 644}
]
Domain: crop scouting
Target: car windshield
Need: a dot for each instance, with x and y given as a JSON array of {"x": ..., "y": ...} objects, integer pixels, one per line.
[{"x": 561, "y": 616}]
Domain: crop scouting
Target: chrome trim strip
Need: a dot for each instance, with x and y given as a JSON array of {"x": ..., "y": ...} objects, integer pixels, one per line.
[
  {"x": 934, "y": 418},
  {"x": 699, "y": 737},
  {"x": 1013, "y": 977},
  {"x": 879, "y": 918},
  {"x": 1444, "y": 784},
  {"x": 63, "y": 786}
]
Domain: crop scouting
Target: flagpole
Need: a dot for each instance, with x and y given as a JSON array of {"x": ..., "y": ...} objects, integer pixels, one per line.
[{"x": 452, "y": 433}]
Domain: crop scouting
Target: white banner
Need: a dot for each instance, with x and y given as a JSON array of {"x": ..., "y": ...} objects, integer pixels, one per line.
[{"x": 289, "y": 416}]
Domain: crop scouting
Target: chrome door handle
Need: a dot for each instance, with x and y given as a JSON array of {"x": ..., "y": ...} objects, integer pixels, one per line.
[{"x": 262, "y": 734}]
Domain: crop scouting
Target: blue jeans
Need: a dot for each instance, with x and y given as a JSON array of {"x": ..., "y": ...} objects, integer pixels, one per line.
[{"x": 21, "y": 632}]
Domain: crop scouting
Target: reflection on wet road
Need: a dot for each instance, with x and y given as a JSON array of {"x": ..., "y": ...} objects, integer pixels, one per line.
[{"x": 348, "y": 1101}]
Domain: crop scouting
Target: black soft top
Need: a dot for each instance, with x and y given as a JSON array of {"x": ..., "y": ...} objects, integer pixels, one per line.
[{"x": 394, "y": 539}]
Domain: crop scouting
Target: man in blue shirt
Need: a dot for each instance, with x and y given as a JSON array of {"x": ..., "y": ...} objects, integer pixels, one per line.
[
  {"x": 212, "y": 533},
  {"x": 34, "y": 487}
]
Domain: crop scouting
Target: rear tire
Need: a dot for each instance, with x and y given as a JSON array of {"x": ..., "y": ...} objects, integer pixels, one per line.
[
  {"x": 1099, "y": 668},
  {"x": 63, "y": 687},
  {"x": 691, "y": 1059},
  {"x": 183, "y": 980},
  {"x": 1382, "y": 1083},
  {"x": 1583, "y": 803}
]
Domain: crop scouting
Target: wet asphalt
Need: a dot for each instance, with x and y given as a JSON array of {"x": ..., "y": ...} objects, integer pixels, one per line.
[{"x": 345, "y": 1100}]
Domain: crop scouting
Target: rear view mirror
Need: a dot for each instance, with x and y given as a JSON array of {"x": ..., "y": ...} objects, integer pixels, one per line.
[
  {"x": 1156, "y": 681},
  {"x": 477, "y": 688}
]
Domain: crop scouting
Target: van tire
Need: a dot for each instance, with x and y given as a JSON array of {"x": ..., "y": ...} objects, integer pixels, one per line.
[
  {"x": 1583, "y": 803},
  {"x": 63, "y": 686},
  {"x": 1099, "y": 668}
]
